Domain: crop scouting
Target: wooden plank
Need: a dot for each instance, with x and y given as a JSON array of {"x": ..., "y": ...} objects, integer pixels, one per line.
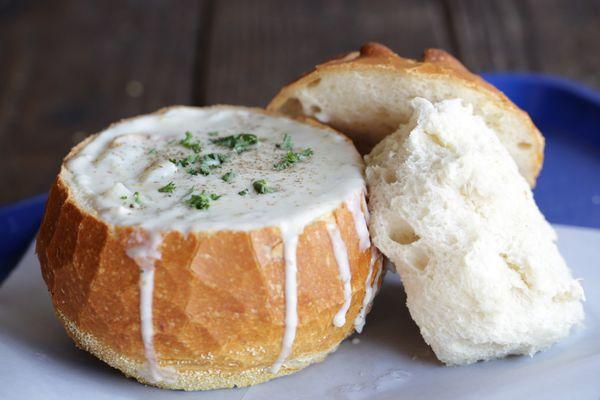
[
  {"x": 255, "y": 47},
  {"x": 551, "y": 36},
  {"x": 71, "y": 67},
  {"x": 565, "y": 38},
  {"x": 489, "y": 34}
]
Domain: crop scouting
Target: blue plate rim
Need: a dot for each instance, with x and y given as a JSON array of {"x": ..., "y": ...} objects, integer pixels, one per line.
[{"x": 566, "y": 84}]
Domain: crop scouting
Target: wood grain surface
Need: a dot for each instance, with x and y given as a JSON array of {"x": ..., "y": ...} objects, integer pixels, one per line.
[{"x": 71, "y": 67}]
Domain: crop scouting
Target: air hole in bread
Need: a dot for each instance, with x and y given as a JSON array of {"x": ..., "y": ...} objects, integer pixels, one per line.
[
  {"x": 400, "y": 231},
  {"x": 390, "y": 176},
  {"x": 314, "y": 83},
  {"x": 417, "y": 258},
  {"x": 436, "y": 139},
  {"x": 314, "y": 109},
  {"x": 524, "y": 145},
  {"x": 292, "y": 107},
  {"x": 517, "y": 268}
]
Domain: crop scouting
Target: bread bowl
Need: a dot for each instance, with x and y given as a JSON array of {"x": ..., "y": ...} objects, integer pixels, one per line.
[
  {"x": 366, "y": 95},
  {"x": 478, "y": 261},
  {"x": 155, "y": 274}
]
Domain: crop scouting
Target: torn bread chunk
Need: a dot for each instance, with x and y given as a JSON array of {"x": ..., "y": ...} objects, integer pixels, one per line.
[{"x": 482, "y": 273}]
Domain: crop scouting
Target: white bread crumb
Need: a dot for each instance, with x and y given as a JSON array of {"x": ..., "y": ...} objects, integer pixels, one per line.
[{"x": 479, "y": 263}]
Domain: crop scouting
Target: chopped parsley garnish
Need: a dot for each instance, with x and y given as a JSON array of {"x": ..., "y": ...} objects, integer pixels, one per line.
[
  {"x": 201, "y": 201},
  {"x": 168, "y": 188},
  {"x": 243, "y": 192},
  {"x": 213, "y": 133},
  {"x": 227, "y": 176},
  {"x": 123, "y": 197},
  {"x": 208, "y": 162},
  {"x": 214, "y": 160},
  {"x": 189, "y": 143},
  {"x": 260, "y": 186},
  {"x": 184, "y": 162},
  {"x": 239, "y": 143},
  {"x": 202, "y": 170},
  {"x": 286, "y": 143},
  {"x": 292, "y": 157},
  {"x": 152, "y": 151},
  {"x": 136, "y": 198}
]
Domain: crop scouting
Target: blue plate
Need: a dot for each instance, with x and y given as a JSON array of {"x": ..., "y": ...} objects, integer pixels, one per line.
[
  {"x": 19, "y": 223},
  {"x": 568, "y": 115},
  {"x": 568, "y": 190}
]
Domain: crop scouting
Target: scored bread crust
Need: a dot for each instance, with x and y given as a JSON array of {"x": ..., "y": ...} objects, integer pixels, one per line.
[
  {"x": 219, "y": 306},
  {"x": 367, "y": 128}
]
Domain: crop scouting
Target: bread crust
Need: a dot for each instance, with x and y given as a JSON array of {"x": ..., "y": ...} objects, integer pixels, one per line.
[
  {"x": 435, "y": 64},
  {"x": 218, "y": 312}
]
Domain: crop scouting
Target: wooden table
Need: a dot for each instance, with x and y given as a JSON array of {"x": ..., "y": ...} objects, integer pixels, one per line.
[{"x": 70, "y": 67}]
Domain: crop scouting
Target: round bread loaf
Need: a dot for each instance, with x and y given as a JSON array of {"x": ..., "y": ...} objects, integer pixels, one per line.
[
  {"x": 202, "y": 248},
  {"x": 367, "y": 96}
]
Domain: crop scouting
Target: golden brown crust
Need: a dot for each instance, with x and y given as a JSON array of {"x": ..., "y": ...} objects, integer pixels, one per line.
[
  {"x": 435, "y": 63},
  {"x": 218, "y": 312}
]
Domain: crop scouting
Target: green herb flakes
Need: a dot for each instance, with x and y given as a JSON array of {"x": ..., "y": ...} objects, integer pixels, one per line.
[
  {"x": 199, "y": 201},
  {"x": 136, "y": 198},
  {"x": 214, "y": 160},
  {"x": 202, "y": 170},
  {"x": 189, "y": 143},
  {"x": 202, "y": 201},
  {"x": 184, "y": 162},
  {"x": 239, "y": 143},
  {"x": 292, "y": 157},
  {"x": 286, "y": 143},
  {"x": 227, "y": 176},
  {"x": 260, "y": 186},
  {"x": 168, "y": 188},
  {"x": 243, "y": 192},
  {"x": 213, "y": 133},
  {"x": 208, "y": 162},
  {"x": 123, "y": 197}
]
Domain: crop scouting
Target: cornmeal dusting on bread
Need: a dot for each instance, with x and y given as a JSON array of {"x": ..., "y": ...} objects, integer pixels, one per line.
[{"x": 206, "y": 171}]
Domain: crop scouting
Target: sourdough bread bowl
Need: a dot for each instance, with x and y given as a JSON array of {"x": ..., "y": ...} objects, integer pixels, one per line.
[
  {"x": 202, "y": 248},
  {"x": 366, "y": 95}
]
